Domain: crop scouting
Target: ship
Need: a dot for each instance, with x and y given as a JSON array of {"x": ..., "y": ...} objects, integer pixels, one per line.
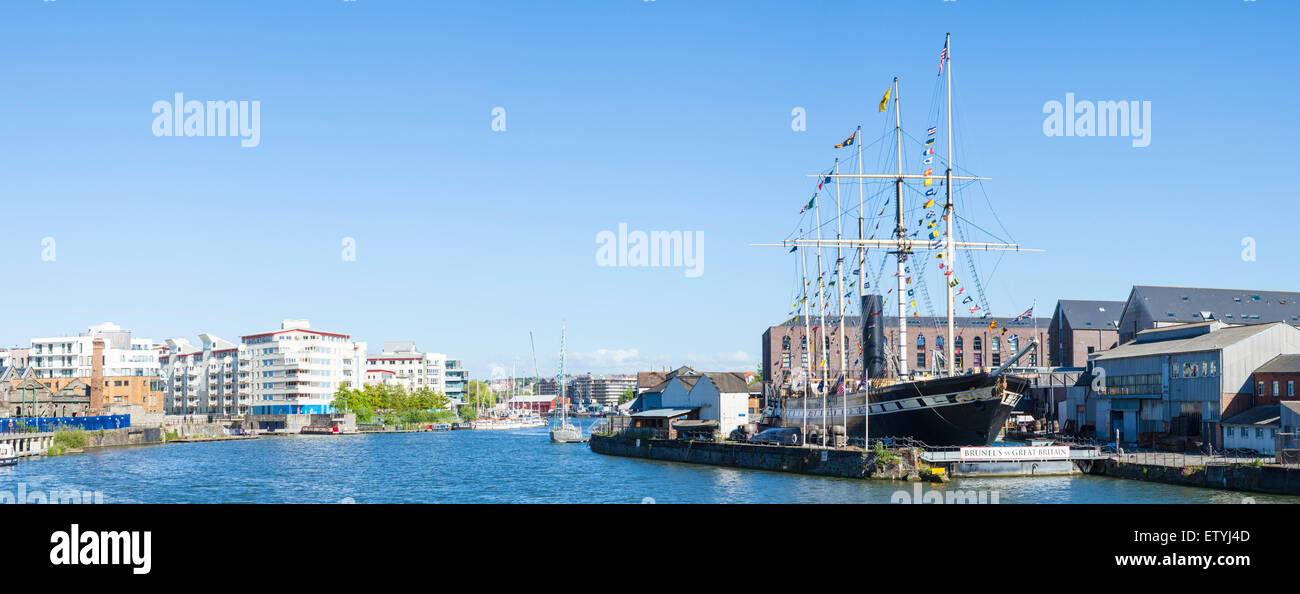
[{"x": 942, "y": 409}]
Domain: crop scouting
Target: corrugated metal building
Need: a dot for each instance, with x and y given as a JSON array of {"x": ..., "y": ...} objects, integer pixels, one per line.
[{"x": 1184, "y": 379}]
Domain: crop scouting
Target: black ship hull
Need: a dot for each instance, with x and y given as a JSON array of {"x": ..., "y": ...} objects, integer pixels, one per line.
[{"x": 966, "y": 410}]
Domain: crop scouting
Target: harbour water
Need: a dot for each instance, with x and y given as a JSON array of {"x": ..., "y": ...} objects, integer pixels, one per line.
[{"x": 499, "y": 467}]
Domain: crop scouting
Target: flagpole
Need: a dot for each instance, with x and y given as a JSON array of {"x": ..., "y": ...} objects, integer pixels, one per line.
[
  {"x": 948, "y": 216},
  {"x": 807, "y": 341},
  {"x": 900, "y": 231}
]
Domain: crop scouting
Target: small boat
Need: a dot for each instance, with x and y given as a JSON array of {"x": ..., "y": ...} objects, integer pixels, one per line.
[{"x": 7, "y": 455}]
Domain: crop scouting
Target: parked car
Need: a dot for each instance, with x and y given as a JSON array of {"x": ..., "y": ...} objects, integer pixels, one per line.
[{"x": 779, "y": 436}]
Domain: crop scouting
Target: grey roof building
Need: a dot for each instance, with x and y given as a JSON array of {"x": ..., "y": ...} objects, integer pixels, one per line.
[
  {"x": 1081, "y": 328},
  {"x": 1153, "y": 307},
  {"x": 1184, "y": 379}
]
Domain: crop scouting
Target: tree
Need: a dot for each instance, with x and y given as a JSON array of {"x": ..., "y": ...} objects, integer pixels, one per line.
[{"x": 627, "y": 394}]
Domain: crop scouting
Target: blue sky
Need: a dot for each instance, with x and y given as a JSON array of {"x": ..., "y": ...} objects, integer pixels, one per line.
[{"x": 666, "y": 115}]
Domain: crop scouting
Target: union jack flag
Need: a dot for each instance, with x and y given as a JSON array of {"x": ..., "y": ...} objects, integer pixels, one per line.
[{"x": 1025, "y": 316}]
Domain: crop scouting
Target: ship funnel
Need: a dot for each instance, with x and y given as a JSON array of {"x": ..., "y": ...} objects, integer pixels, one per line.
[{"x": 873, "y": 336}]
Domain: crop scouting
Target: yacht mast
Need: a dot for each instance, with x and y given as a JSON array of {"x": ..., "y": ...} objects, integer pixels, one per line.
[
  {"x": 564, "y": 401},
  {"x": 900, "y": 232},
  {"x": 948, "y": 215}
]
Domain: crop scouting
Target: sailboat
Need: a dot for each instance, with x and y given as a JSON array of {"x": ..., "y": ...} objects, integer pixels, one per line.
[
  {"x": 947, "y": 410},
  {"x": 565, "y": 432}
]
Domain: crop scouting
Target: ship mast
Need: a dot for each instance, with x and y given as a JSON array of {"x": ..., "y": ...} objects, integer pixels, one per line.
[
  {"x": 821, "y": 309},
  {"x": 807, "y": 339},
  {"x": 947, "y": 217},
  {"x": 839, "y": 274},
  {"x": 862, "y": 251},
  {"x": 900, "y": 233},
  {"x": 899, "y": 244}
]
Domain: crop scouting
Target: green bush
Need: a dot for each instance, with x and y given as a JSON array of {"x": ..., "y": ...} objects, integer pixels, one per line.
[{"x": 72, "y": 439}]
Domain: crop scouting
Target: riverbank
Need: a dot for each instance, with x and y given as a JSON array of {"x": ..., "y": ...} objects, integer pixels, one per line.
[
  {"x": 897, "y": 464},
  {"x": 1249, "y": 477}
]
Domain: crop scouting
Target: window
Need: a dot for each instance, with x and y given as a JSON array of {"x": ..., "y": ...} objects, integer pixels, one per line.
[
  {"x": 1290, "y": 388},
  {"x": 1259, "y": 433},
  {"x": 978, "y": 345},
  {"x": 1259, "y": 389},
  {"x": 1227, "y": 432},
  {"x": 1174, "y": 371},
  {"x": 997, "y": 359},
  {"x": 1276, "y": 392},
  {"x": 920, "y": 359},
  {"x": 995, "y": 345}
]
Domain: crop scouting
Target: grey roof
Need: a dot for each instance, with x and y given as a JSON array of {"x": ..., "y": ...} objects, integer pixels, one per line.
[
  {"x": 1260, "y": 415},
  {"x": 728, "y": 382},
  {"x": 1091, "y": 315},
  {"x": 662, "y": 413},
  {"x": 658, "y": 388},
  {"x": 1281, "y": 364},
  {"x": 1214, "y": 340},
  {"x": 1292, "y": 405},
  {"x": 1235, "y": 306}
]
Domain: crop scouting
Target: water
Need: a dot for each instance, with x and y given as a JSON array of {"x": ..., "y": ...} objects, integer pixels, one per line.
[{"x": 498, "y": 467}]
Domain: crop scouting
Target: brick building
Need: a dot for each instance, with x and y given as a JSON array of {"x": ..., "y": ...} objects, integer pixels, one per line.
[
  {"x": 1276, "y": 380},
  {"x": 1081, "y": 328},
  {"x": 976, "y": 346}
]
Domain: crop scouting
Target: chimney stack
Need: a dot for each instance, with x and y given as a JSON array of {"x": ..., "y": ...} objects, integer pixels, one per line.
[{"x": 97, "y": 377}]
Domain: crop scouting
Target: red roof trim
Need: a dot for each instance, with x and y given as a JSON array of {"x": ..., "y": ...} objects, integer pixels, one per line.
[{"x": 293, "y": 330}]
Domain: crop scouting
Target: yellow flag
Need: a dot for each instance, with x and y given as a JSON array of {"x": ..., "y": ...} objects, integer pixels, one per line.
[{"x": 885, "y": 101}]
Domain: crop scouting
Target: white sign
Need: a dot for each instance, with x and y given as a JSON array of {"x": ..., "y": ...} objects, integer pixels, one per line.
[{"x": 1017, "y": 453}]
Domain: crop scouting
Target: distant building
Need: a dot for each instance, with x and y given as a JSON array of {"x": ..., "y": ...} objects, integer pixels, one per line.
[
  {"x": 15, "y": 357},
  {"x": 1276, "y": 380},
  {"x": 71, "y": 356},
  {"x": 1255, "y": 429},
  {"x": 976, "y": 346},
  {"x": 297, "y": 370},
  {"x": 547, "y": 387},
  {"x": 145, "y": 392},
  {"x": 1182, "y": 380},
  {"x": 455, "y": 376},
  {"x": 1290, "y": 416},
  {"x": 601, "y": 390},
  {"x": 1155, "y": 307},
  {"x": 1080, "y": 328},
  {"x": 401, "y": 363},
  {"x": 214, "y": 378},
  {"x": 538, "y": 404},
  {"x": 29, "y": 397}
]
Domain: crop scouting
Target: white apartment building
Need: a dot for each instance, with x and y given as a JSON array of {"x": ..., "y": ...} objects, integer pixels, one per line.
[
  {"x": 70, "y": 356},
  {"x": 401, "y": 363},
  {"x": 296, "y": 370},
  {"x": 204, "y": 380}
]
